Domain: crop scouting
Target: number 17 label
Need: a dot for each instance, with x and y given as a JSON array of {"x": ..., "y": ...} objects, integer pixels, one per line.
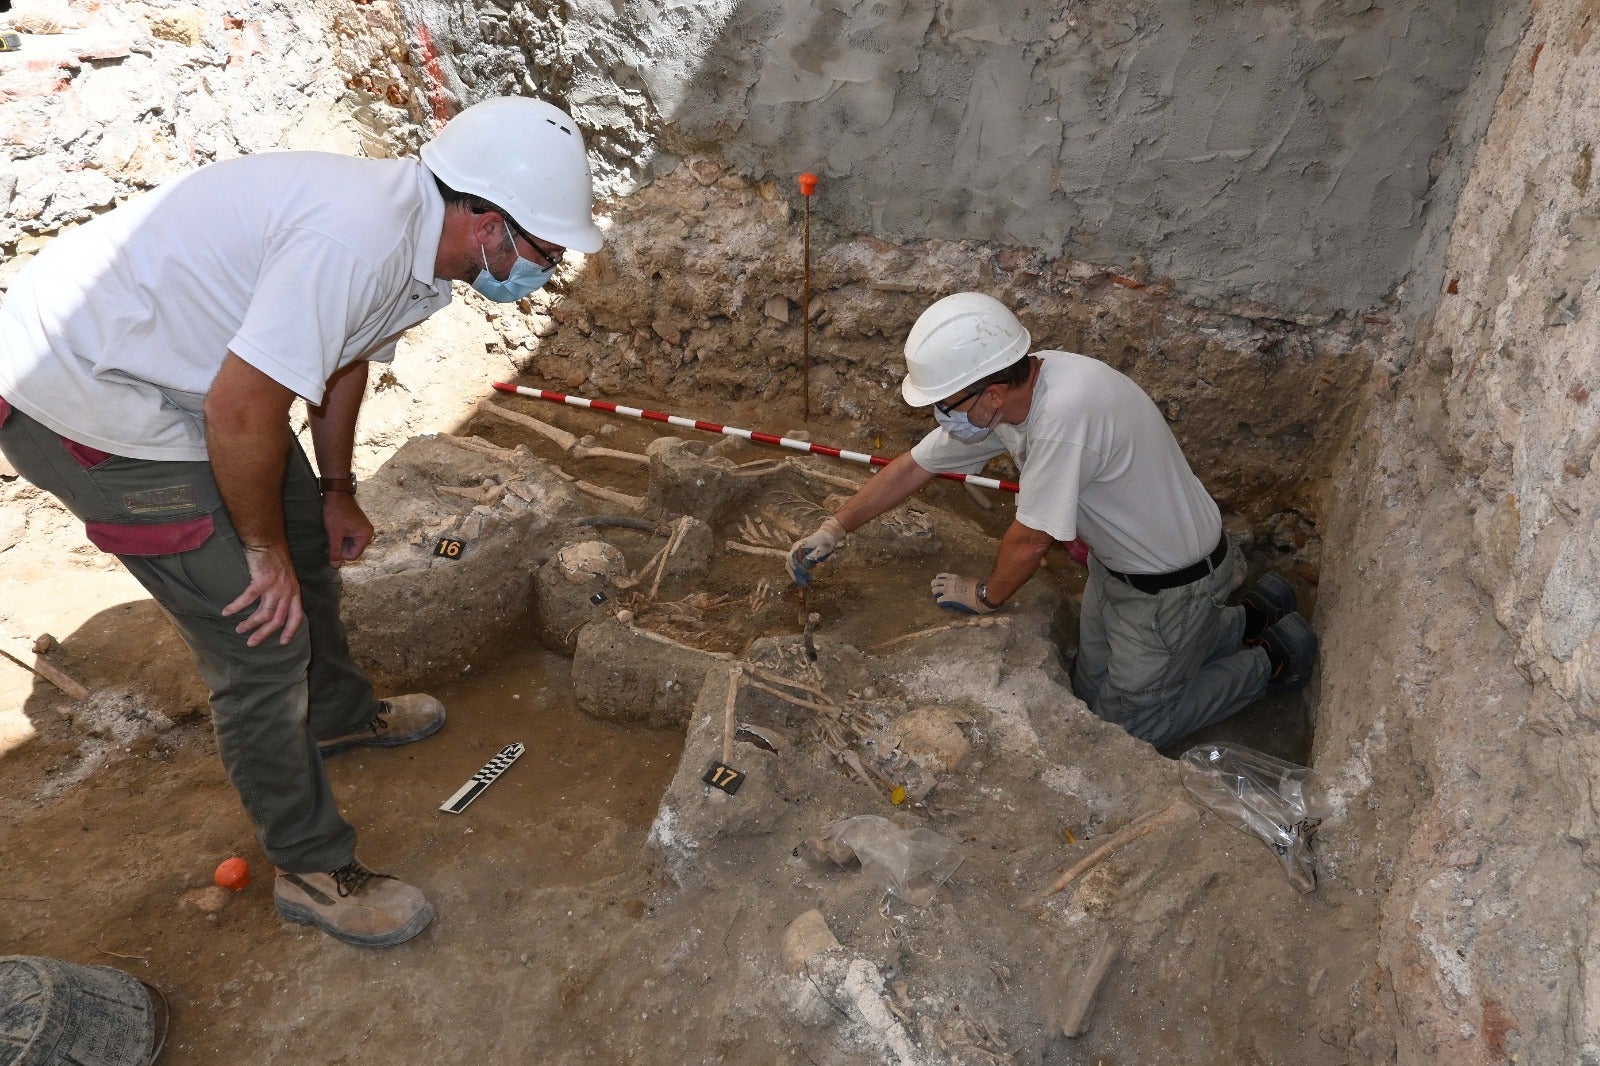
[{"x": 724, "y": 777}]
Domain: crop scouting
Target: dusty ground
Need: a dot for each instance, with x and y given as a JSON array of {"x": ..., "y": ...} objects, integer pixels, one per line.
[{"x": 561, "y": 936}]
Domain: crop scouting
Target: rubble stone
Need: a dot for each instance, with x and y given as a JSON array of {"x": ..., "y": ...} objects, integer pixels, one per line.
[{"x": 807, "y": 937}]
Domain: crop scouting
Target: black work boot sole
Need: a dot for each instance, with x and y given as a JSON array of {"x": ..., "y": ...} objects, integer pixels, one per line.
[
  {"x": 1292, "y": 647},
  {"x": 1272, "y": 598}
]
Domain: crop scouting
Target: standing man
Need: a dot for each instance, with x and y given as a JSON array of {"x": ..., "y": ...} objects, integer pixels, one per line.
[
  {"x": 148, "y": 361},
  {"x": 1159, "y": 652}
]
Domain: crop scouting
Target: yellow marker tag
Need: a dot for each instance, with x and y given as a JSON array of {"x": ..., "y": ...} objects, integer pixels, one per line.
[
  {"x": 898, "y": 796},
  {"x": 1068, "y": 834}
]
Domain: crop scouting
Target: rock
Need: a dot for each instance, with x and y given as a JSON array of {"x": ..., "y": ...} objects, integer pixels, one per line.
[
  {"x": 563, "y": 603},
  {"x": 414, "y": 616},
  {"x": 210, "y": 899},
  {"x": 180, "y": 24},
  {"x": 43, "y": 643},
  {"x": 705, "y": 171},
  {"x": 687, "y": 477},
  {"x": 693, "y": 815},
  {"x": 620, "y": 675},
  {"x": 777, "y": 308},
  {"x": 807, "y": 937},
  {"x": 667, "y": 331}
]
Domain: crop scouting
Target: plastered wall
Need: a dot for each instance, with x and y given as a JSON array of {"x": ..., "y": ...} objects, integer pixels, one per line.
[{"x": 1292, "y": 154}]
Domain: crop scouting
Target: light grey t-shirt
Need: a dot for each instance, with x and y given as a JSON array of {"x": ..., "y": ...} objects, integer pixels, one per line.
[
  {"x": 300, "y": 263},
  {"x": 1098, "y": 463}
]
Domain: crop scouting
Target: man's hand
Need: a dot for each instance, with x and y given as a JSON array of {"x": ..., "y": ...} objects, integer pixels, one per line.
[
  {"x": 274, "y": 590},
  {"x": 349, "y": 531},
  {"x": 958, "y": 593},
  {"x": 807, "y": 553}
]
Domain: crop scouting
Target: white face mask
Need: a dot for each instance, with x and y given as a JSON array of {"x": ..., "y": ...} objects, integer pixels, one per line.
[{"x": 962, "y": 428}]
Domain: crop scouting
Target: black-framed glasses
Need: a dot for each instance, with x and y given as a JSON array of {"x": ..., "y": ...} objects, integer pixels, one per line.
[
  {"x": 552, "y": 254},
  {"x": 948, "y": 409}
]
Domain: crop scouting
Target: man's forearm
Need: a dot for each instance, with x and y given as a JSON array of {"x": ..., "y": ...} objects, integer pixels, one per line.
[
  {"x": 888, "y": 488},
  {"x": 333, "y": 425},
  {"x": 1021, "y": 551}
]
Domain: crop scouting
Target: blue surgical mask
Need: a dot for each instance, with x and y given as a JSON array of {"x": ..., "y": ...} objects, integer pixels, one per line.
[
  {"x": 959, "y": 426},
  {"x": 524, "y": 279}
]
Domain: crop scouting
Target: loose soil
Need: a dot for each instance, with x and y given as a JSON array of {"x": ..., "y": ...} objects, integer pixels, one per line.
[{"x": 116, "y": 811}]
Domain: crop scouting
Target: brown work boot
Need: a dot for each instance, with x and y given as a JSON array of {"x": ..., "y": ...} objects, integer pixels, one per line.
[
  {"x": 354, "y": 904},
  {"x": 400, "y": 720}
]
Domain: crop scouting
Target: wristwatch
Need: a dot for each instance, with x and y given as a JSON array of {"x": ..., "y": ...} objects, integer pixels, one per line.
[
  {"x": 983, "y": 596},
  {"x": 338, "y": 484}
]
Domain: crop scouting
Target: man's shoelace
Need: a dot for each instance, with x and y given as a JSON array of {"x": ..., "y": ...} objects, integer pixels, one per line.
[{"x": 352, "y": 877}]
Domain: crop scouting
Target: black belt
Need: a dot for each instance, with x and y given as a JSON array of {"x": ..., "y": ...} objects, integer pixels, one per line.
[{"x": 1150, "y": 584}]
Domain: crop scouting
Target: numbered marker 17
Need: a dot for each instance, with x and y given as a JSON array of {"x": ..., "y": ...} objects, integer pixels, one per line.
[{"x": 724, "y": 777}]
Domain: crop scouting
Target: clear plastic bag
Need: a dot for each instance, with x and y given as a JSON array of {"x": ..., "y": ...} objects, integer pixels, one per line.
[
  {"x": 1270, "y": 798},
  {"x": 909, "y": 863}
]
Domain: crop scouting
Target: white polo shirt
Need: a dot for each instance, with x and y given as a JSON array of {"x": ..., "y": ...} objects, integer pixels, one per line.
[
  {"x": 1099, "y": 463},
  {"x": 300, "y": 263}
]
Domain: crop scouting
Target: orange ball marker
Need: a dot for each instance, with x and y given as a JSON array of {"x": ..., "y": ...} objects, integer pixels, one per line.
[{"x": 233, "y": 874}]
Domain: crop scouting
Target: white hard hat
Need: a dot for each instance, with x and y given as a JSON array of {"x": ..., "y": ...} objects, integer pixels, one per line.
[
  {"x": 956, "y": 341},
  {"x": 526, "y": 156}
]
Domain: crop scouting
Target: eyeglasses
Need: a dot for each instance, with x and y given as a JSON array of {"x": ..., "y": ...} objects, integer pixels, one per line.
[
  {"x": 948, "y": 409},
  {"x": 552, "y": 254},
  {"x": 549, "y": 253}
]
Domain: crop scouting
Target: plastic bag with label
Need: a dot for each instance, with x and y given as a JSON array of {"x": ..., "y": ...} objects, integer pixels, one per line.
[
  {"x": 909, "y": 863},
  {"x": 1267, "y": 797}
]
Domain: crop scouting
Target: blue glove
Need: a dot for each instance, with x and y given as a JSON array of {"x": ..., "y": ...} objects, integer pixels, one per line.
[{"x": 807, "y": 553}]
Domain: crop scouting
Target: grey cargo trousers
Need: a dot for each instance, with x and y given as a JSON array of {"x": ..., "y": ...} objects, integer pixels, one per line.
[
  {"x": 166, "y": 522},
  {"x": 1164, "y": 665}
]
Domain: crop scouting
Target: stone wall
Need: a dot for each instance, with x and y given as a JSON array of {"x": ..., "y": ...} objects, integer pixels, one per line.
[
  {"x": 1459, "y": 604},
  {"x": 694, "y": 306},
  {"x": 106, "y": 100}
]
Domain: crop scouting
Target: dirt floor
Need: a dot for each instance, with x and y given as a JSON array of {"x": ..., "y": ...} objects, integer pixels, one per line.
[{"x": 561, "y": 936}]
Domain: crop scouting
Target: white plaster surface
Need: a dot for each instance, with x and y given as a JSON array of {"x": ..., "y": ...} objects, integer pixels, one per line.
[{"x": 1287, "y": 154}]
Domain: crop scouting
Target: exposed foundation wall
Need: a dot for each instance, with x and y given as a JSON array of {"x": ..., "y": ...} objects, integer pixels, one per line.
[
  {"x": 695, "y": 305},
  {"x": 104, "y": 101},
  {"x": 1459, "y": 609},
  {"x": 1291, "y": 154}
]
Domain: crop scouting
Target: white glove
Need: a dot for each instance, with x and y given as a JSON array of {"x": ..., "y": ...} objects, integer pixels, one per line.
[
  {"x": 807, "y": 553},
  {"x": 959, "y": 593}
]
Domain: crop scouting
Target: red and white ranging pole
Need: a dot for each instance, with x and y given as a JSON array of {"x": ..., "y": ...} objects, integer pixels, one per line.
[{"x": 734, "y": 431}]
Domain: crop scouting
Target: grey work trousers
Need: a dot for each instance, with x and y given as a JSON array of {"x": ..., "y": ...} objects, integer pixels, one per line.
[
  {"x": 1164, "y": 665},
  {"x": 269, "y": 704}
]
